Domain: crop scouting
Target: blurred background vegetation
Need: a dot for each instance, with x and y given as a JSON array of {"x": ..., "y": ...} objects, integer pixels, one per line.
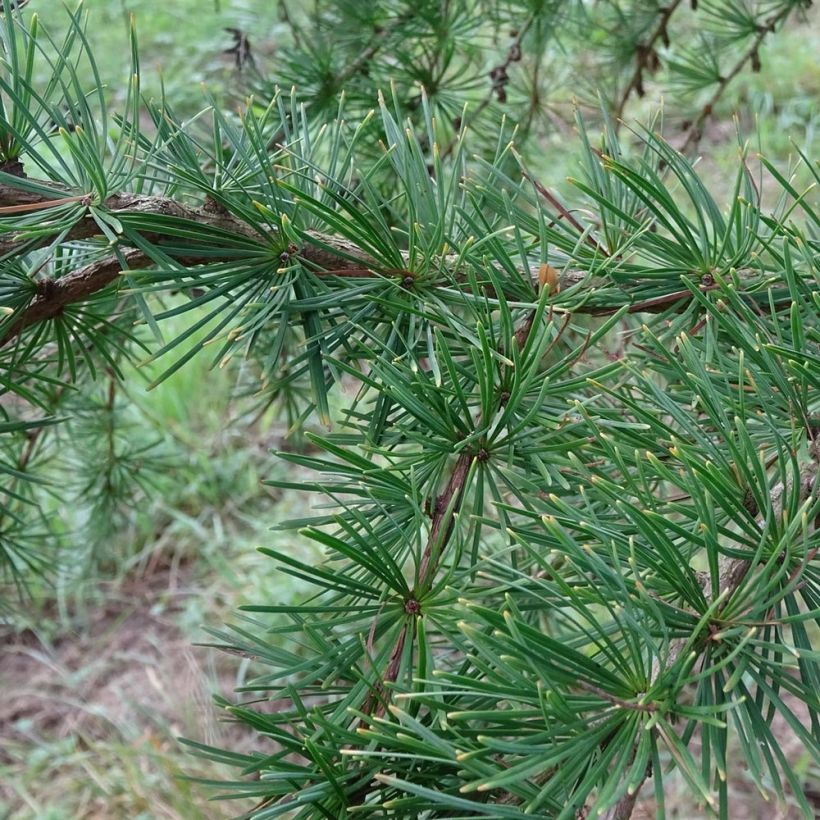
[{"x": 100, "y": 671}]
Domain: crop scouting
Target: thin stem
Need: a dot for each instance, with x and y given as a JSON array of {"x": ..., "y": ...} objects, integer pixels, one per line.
[
  {"x": 731, "y": 573},
  {"x": 447, "y": 505},
  {"x": 644, "y": 53},
  {"x": 499, "y": 77},
  {"x": 295, "y": 30},
  {"x": 695, "y": 131}
]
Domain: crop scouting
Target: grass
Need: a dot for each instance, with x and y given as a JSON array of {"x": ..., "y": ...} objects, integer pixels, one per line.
[
  {"x": 182, "y": 43},
  {"x": 101, "y": 675}
]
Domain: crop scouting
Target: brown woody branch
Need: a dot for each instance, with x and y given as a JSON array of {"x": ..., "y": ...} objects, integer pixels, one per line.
[
  {"x": 446, "y": 507},
  {"x": 328, "y": 256},
  {"x": 378, "y": 696},
  {"x": 564, "y": 213},
  {"x": 207, "y": 217},
  {"x": 56, "y": 294},
  {"x": 11, "y": 197}
]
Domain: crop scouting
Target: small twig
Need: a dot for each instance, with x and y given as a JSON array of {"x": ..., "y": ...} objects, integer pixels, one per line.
[
  {"x": 33, "y": 438},
  {"x": 623, "y": 809},
  {"x": 356, "y": 65},
  {"x": 565, "y": 213},
  {"x": 295, "y": 30},
  {"x": 731, "y": 572},
  {"x": 500, "y": 77},
  {"x": 645, "y": 55},
  {"x": 241, "y": 49},
  {"x": 377, "y": 698},
  {"x": 445, "y": 509},
  {"x": 446, "y": 505},
  {"x": 366, "y": 55},
  {"x": 28, "y": 450},
  {"x": 619, "y": 702},
  {"x": 43, "y": 205},
  {"x": 695, "y": 130}
]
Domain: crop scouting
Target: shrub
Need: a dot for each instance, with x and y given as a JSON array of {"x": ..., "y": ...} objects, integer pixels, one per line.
[{"x": 569, "y": 514}]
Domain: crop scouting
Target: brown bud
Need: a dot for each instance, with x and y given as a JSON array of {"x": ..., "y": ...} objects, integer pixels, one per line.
[
  {"x": 549, "y": 277},
  {"x": 755, "y": 62}
]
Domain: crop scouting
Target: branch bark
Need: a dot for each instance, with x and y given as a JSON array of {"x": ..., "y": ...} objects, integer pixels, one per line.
[
  {"x": 327, "y": 255},
  {"x": 330, "y": 255},
  {"x": 55, "y": 294}
]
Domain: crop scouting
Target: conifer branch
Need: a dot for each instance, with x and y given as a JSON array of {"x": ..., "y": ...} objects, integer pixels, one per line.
[
  {"x": 55, "y": 294},
  {"x": 731, "y": 573},
  {"x": 645, "y": 56},
  {"x": 445, "y": 511},
  {"x": 563, "y": 662},
  {"x": 329, "y": 256},
  {"x": 694, "y": 132}
]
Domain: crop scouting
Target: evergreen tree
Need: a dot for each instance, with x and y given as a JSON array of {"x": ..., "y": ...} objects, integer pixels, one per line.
[{"x": 570, "y": 513}]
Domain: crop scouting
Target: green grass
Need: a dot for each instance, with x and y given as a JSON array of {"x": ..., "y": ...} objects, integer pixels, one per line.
[{"x": 182, "y": 43}]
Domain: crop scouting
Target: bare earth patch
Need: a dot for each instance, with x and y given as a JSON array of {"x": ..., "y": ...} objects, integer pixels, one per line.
[{"x": 89, "y": 725}]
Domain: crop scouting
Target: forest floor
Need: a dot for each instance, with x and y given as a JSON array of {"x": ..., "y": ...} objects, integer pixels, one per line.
[{"x": 90, "y": 723}]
